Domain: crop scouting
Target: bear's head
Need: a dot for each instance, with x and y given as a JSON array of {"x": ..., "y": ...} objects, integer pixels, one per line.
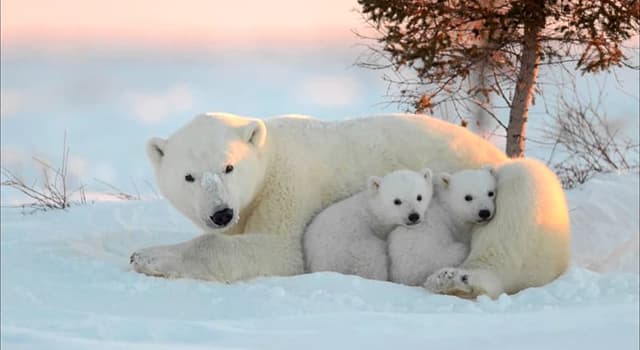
[
  {"x": 470, "y": 195},
  {"x": 212, "y": 168},
  {"x": 400, "y": 197}
]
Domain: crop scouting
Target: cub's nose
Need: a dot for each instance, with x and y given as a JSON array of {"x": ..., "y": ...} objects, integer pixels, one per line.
[
  {"x": 222, "y": 217},
  {"x": 484, "y": 214},
  {"x": 413, "y": 217}
]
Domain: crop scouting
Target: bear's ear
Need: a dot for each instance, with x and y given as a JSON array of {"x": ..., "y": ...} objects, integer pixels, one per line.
[
  {"x": 373, "y": 184},
  {"x": 255, "y": 133},
  {"x": 428, "y": 175},
  {"x": 491, "y": 169},
  {"x": 445, "y": 179},
  {"x": 155, "y": 150}
]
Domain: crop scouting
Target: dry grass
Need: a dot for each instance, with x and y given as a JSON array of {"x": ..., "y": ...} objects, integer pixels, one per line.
[
  {"x": 120, "y": 194},
  {"x": 53, "y": 190},
  {"x": 591, "y": 144}
]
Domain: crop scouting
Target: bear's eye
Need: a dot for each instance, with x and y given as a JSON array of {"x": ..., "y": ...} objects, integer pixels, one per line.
[
  {"x": 419, "y": 198},
  {"x": 189, "y": 178},
  {"x": 490, "y": 193},
  {"x": 397, "y": 202},
  {"x": 228, "y": 169},
  {"x": 468, "y": 198}
]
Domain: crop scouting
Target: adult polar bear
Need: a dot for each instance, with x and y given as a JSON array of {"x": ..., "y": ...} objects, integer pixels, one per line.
[{"x": 253, "y": 186}]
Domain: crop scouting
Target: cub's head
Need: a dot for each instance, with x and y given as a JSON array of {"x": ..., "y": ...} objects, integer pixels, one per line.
[
  {"x": 211, "y": 168},
  {"x": 469, "y": 194},
  {"x": 400, "y": 197}
]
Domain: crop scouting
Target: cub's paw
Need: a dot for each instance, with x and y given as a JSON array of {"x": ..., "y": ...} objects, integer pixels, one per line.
[
  {"x": 451, "y": 281},
  {"x": 156, "y": 261}
]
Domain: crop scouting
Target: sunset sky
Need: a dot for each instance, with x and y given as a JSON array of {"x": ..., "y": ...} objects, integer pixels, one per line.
[
  {"x": 99, "y": 71},
  {"x": 208, "y": 23},
  {"x": 108, "y": 70}
]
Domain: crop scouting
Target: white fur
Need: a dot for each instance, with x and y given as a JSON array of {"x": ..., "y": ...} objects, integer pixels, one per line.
[
  {"x": 288, "y": 169},
  {"x": 350, "y": 236},
  {"x": 525, "y": 245},
  {"x": 442, "y": 239}
]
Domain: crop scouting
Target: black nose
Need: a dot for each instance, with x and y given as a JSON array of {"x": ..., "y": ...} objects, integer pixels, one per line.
[
  {"x": 413, "y": 217},
  {"x": 484, "y": 214},
  {"x": 222, "y": 217}
]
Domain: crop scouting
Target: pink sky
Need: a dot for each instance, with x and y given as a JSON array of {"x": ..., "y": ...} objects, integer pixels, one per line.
[{"x": 167, "y": 23}]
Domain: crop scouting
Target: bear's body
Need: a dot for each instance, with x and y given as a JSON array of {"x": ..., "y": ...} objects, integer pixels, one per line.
[
  {"x": 530, "y": 199},
  {"x": 347, "y": 246},
  {"x": 288, "y": 169},
  {"x": 415, "y": 253},
  {"x": 350, "y": 236},
  {"x": 460, "y": 202}
]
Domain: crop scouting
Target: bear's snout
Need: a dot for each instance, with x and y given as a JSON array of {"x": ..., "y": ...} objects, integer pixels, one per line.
[
  {"x": 484, "y": 214},
  {"x": 222, "y": 217},
  {"x": 413, "y": 218}
]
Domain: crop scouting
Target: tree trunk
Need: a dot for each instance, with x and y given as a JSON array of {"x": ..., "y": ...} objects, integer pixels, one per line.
[
  {"x": 482, "y": 123},
  {"x": 529, "y": 61}
]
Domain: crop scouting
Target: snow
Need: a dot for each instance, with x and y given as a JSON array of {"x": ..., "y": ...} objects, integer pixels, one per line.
[{"x": 66, "y": 285}]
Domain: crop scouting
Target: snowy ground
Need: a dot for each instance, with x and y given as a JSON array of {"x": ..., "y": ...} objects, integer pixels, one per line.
[{"x": 66, "y": 285}]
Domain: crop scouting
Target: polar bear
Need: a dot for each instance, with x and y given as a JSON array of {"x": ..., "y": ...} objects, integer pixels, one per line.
[
  {"x": 460, "y": 202},
  {"x": 275, "y": 174},
  {"x": 350, "y": 236},
  {"x": 511, "y": 260}
]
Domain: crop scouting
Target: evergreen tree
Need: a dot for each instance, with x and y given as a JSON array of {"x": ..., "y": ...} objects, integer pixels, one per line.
[{"x": 444, "y": 41}]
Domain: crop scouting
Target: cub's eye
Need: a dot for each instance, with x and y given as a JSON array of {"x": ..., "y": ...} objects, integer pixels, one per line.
[
  {"x": 189, "y": 178},
  {"x": 419, "y": 198},
  {"x": 228, "y": 169},
  {"x": 397, "y": 202},
  {"x": 468, "y": 198},
  {"x": 490, "y": 193}
]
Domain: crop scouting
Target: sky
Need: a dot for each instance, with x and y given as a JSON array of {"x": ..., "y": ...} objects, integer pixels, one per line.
[
  {"x": 192, "y": 23},
  {"x": 111, "y": 74}
]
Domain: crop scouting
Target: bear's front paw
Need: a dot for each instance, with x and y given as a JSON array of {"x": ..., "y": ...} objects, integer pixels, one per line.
[
  {"x": 156, "y": 261},
  {"x": 451, "y": 281}
]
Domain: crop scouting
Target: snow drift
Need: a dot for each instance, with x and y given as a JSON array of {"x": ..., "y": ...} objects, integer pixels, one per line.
[{"x": 66, "y": 284}]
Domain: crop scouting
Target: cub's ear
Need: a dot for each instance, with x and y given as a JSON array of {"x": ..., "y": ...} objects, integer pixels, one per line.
[
  {"x": 255, "y": 133},
  {"x": 155, "y": 150},
  {"x": 445, "y": 179},
  {"x": 428, "y": 174},
  {"x": 491, "y": 169},
  {"x": 373, "y": 184}
]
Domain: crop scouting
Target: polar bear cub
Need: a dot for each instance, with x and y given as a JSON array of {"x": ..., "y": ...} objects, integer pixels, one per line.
[
  {"x": 350, "y": 236},
  {"x": 461, "y": 201}
]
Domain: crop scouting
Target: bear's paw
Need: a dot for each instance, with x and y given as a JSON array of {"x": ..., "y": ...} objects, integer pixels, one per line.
[{"x": 450, "y": 281}]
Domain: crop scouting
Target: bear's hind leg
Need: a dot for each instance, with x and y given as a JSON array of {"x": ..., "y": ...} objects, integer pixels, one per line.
[{"x": 463, "y": 283}]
